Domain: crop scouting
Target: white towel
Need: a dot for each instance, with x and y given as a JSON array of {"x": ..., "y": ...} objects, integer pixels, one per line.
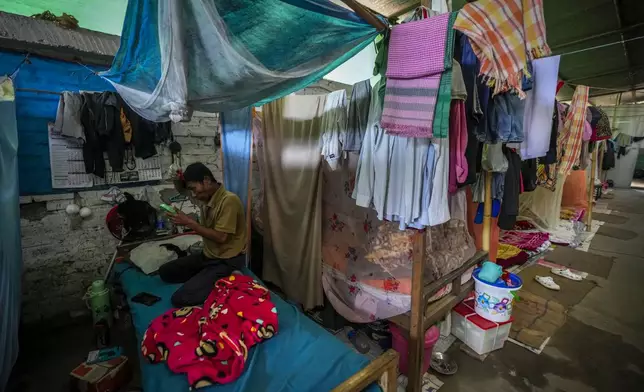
[{"x": 540, "y": 101}]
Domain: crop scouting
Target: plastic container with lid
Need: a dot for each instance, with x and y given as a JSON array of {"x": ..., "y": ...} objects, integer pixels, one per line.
[{"x": 480, "y": 334}]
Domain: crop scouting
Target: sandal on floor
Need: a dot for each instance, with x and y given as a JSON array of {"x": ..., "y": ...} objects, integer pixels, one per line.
[
  {"x": 566, "y": 273},
  {"x": 547, "y": 282}
]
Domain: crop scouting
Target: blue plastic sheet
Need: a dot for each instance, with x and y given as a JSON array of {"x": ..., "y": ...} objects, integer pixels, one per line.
[
  {"x": 219, "y": 55},
  {"x": 10, "y": 250},
  {"x": 236, "y": 135}
]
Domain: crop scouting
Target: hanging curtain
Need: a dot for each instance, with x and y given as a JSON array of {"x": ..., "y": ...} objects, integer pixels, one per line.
[
  {"x": 292, "y": 212},
  {"x": 236, "y": 149},
  {"x": 216, "y": 55},
  {"x": 10, "y": 250}
]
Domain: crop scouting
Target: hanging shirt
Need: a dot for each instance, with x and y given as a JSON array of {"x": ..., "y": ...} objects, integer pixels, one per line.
[
  {"x": 392, "y": 172},
  {"x": 358, "y": 116},
  {"x": 439, "y": 204},
  {"x": 334, "y": 125},
  {"x": 370, "y": 190}
]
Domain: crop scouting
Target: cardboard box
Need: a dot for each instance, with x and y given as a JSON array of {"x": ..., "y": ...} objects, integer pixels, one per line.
[{"x": 109, "y": 376}]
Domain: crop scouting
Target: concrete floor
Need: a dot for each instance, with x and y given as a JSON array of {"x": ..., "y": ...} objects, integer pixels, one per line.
[{"x": 601, "y": 346}]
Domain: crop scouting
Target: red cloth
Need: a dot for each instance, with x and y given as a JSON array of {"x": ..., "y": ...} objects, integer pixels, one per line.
[
  {"x": 519, "y": 259},
  {"x": 210, "y": 344},
  {"x": 529, "y": 241},
  {"x": 457, "y": 144}
]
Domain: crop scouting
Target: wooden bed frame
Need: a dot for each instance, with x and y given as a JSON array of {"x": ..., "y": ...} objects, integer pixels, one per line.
[{"x": 424, "y": 314}]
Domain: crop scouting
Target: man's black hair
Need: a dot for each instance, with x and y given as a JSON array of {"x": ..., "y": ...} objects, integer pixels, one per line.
[{"x": 197, "y": 172}]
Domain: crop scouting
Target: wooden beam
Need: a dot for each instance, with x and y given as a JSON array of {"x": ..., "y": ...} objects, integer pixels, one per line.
[
  {"x": 365, "y": 14},
  {"x": 383, "y": 368},
  {"x": 487, "y": 212},
  {"x": 416, "y": 330}
]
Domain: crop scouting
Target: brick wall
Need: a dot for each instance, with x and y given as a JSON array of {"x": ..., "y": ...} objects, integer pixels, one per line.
[{"x": 61, "y": 261}]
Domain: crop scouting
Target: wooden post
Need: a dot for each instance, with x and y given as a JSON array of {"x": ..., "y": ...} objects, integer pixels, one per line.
[
  {"x": 591, "y": 191},
  {"x": 487, "y": 213},
  {"x": 365, "y": 14},
  {"x": 249, "y": 194},
  {"x": 416, "y": 330}
]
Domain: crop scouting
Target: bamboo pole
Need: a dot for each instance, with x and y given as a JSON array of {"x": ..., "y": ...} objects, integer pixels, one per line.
[
  {"x": 365, "y": 14},
  {"x": 249, "y": 194},
  {"x": 416, "y": 329},
  {"x": 487, "y": 213}
]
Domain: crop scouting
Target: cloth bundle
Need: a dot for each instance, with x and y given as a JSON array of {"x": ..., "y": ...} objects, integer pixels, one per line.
[
  {"x": 414, "y": 68},
  {"x": 504, "y": 36},
  {"x": 210, "y": 344}
]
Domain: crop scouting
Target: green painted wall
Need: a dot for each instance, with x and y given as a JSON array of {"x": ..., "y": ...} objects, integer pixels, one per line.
[{"x": 100, "y": 15}]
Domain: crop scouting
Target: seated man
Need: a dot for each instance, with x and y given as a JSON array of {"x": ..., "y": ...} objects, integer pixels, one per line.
[{"x": 223, "y": 228}]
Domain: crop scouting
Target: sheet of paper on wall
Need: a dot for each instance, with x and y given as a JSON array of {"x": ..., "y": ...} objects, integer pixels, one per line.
[
  {"x": 68, "y": 167},
  {"x": 66, "y": 163},
  {"x": 142, "y": 170}
]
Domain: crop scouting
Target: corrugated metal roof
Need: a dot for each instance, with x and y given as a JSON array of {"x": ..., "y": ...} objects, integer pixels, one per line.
[{"x": 22, "y": 33}]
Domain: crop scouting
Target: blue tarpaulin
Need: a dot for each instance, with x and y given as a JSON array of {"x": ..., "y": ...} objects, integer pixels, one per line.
[
  {"x": 10, "y": 250},
  {"x": 236, "y": 135},
  {"x": 219, "y": 55}
]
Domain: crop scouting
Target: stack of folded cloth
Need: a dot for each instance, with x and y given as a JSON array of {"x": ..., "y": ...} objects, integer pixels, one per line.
[{"x": 418, "y": 86}]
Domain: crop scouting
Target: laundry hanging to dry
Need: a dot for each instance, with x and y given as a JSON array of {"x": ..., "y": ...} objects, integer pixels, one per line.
[{"x": 292, "y": 210}]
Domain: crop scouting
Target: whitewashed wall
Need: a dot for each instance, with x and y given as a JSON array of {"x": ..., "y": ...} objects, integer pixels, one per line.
[{"x": 61, "y": 262}]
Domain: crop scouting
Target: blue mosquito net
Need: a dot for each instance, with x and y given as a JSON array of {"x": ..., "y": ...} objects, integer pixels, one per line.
[{"x": 219, "y": 55}]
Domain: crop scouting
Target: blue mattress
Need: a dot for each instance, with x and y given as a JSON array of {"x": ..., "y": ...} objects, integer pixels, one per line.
[{"x": 302, "y": 356}]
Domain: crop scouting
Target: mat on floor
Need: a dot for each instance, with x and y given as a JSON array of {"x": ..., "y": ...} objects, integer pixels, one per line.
[
  {"x": 571, "y": 293},
  {"x": 610, "y": 218},
  {"x": 581, "y": 261},
  {"x": 536, "y": 319},
  {"x": 614, "y": 232}
]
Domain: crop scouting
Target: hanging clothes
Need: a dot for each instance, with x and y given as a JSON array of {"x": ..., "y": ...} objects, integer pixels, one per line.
[
  {"x": 409, "y": 183},
  {"x": 334, "y": 126},
  {"x": 414, "y": 70},
  {"x": 370, "y": 190},
  {"x": 551, "y": 156},
  {"x": 440, "y": 124},
  {"x": 439, "y": 203},
  {"x": 457, "y": 145},
  {"x": 539, "y": 106},
  {"x": 469, "y": 66},
  {"x": 529, "y": 175},
  {"x": 68, "y": 116},
  {"x": 292, "y": 199},
  {"x": 11, "y": 266},
  {"x": 570, "y": 138},
  {"x": 101, "y": 119},
  {"x": 358, "y": 116},
  {"x": 602, "y": 130},
  {"x": 502, "y": 34},
  {"x": 511, "y": 191}
]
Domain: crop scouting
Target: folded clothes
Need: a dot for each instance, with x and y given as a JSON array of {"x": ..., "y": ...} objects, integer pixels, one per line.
[
  {"x": 414, "y": 68},
  {"x": 518, "y": 259},
  {"x": 528, "y": 241}
]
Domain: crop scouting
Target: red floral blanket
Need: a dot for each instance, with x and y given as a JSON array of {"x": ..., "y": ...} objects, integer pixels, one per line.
[{"x": 210, "y": 343}]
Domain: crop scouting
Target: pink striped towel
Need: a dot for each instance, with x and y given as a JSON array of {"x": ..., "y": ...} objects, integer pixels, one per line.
[
  {"x": 417, "y": 49},
  {"x": 415, "y": 62}
]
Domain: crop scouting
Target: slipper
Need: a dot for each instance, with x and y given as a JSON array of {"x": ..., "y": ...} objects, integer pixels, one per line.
[
  {"x": 566, "y": 273},
  {"x": 547, "y": 282}
]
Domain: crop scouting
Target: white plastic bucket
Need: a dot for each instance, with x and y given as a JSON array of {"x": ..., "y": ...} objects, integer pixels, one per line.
[{"x": 494, "y": 301}]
